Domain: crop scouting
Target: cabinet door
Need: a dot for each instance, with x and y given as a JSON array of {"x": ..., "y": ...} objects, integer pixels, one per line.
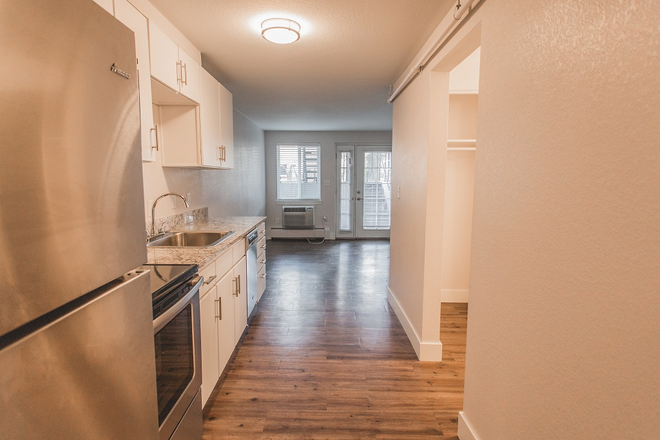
[
  {"x": 225, "y": 328},
  {"x": 208, "y": 307},
  {"x": 164, "y": 57},
  {"x": 240, "y": 299},
  {"x": 189, "y": 80},
  {"x": 210, "y": 119},
  {"x": 135, "y": 21},
  {"x": 226, "y": 126}
]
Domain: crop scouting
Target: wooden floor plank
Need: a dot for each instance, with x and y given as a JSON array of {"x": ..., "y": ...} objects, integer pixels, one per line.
[{"x": 326, "y": 358}]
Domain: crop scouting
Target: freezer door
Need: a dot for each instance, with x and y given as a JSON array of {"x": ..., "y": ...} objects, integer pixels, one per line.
[
  {"x": 89, "y": 374},
  {"x": 71, "y": 192}
]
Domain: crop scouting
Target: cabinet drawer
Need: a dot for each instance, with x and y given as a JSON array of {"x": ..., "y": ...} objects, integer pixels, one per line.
[
  {"x": 261, "y": 247},
  {"x": 261, "y": 229},
  {"x": 224, "y": 263},
  {"x": 209, "y": 278},
  {"x": 238, "y": 250}
]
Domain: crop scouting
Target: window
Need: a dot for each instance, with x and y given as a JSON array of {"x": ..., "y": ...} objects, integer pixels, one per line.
[{"x": 299, "y": 169}]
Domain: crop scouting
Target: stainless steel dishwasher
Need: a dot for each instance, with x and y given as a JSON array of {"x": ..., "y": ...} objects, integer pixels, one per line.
[{"x": 252, "y": 270}]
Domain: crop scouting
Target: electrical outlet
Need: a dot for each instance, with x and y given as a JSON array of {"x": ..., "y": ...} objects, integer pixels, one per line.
[{"x": 277, "y": 220}]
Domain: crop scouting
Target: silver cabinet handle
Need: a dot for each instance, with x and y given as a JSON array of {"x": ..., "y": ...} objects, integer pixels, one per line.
[
  {"x": 210, "y": 280},
  {"x": 235, "y": 282},
  {"x": 264, "y": 275},
  {"x": 219, "y": 305},
  {"x": 239, "y": 285},
  {"x": 184, "y": 67},
  {"x": 263, "y": 246},
  {"x": 215, "y": 303},
  {"x": 154, "y": 130},
  {"x": 263, "y": 261},
  {"x": 179, "y": 71}
]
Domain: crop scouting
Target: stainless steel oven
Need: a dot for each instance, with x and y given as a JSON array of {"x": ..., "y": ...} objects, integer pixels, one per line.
[{"x": 178, "y": 351}]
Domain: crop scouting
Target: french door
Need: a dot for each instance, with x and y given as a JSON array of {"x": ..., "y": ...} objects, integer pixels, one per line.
[{"x": 364, "y": 191}]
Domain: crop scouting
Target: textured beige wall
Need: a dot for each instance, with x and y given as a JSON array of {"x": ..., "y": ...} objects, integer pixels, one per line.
[
  {"x": 410, "y": 143},
  {"x": 564, "y": 326},
  {"x": 239, "y": 191},
  {"x": 457, "y": 237}
]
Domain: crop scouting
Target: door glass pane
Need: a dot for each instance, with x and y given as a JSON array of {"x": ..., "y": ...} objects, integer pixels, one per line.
[
  {"x": 345, "y": 171},
  {"x": 377, "y": 190},
  {"x": 174, "y": 361}
]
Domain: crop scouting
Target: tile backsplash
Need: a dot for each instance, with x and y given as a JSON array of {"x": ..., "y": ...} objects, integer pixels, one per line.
[{"x": 177, "y": 221}]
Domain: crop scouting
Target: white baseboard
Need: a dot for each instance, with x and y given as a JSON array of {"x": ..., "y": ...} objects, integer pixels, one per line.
[
  {"x": 426, "y": 351},
  {"x": 465, "y": 430},
  {"x": 312, "y": 234},
  {"x": 454, "y": 295}
]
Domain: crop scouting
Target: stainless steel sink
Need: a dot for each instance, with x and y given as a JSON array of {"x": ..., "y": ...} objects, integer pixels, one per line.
[{"x": 190, "y": 239}]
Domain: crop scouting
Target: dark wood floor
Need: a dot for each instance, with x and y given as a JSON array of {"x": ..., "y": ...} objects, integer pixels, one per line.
[{"x": 325, "y": 356}]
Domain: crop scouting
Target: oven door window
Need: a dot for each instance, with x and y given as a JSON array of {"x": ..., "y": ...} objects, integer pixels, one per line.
[{"x": 174, "y": 360}]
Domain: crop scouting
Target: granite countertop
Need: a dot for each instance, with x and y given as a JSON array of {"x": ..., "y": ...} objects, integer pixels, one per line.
[{"x": 204, "y": 255}]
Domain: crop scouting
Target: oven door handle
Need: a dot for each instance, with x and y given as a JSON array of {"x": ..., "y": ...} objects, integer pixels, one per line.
[{"x": 170, "y": 313}]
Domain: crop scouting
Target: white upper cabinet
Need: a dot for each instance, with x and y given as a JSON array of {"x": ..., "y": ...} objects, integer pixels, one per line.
[
  {"x": 217, "y": 123},
  {"x": 172, "y": 66},
  {"x": 209, "y": 108},
  {"x": 226, "y": 127},
  {"x": 164, "y": 57},
  {"x": 190, "y": 70},
  {"x": 134, "y": 20}
]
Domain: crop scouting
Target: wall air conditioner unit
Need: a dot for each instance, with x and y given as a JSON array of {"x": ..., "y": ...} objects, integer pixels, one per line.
[{"x": 298, "y": 217}]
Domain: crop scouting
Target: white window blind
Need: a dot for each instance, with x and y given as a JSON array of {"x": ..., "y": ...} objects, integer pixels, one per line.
[{"x": 299, "y": 170}]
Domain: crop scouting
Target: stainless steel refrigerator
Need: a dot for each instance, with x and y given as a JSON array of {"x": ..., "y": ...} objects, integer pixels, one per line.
[{"x": 76, "y": 333}]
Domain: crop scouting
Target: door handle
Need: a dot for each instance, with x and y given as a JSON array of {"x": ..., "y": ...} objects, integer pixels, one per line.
[
  {"x": 154, "y": 130},
  {"x": 358, "y": 199}
]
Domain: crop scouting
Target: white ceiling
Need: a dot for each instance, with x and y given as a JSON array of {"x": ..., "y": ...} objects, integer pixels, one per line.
[{"x": 336, "y": 77}]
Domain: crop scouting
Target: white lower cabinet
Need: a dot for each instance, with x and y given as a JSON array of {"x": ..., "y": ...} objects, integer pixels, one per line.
[
  {"x": 240, "y": 298},
  {"x": 223, "y": 310},
  {"x": 208, "y": 320},
  {"x": 225, "y": 328}
]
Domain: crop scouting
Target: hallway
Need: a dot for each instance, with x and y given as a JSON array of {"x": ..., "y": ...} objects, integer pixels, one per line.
[{"x": 325, "y": 356}]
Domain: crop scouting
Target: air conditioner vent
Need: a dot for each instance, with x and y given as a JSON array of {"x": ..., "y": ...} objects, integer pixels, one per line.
[{"x": 298, "y": 217}]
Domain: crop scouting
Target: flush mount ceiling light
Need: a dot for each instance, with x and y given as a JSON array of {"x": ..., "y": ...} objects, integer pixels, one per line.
[{"x": 280, "y": 30}]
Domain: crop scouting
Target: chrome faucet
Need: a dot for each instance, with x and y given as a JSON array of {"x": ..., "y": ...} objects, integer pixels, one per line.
[{"x": 153, "y": 210}]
